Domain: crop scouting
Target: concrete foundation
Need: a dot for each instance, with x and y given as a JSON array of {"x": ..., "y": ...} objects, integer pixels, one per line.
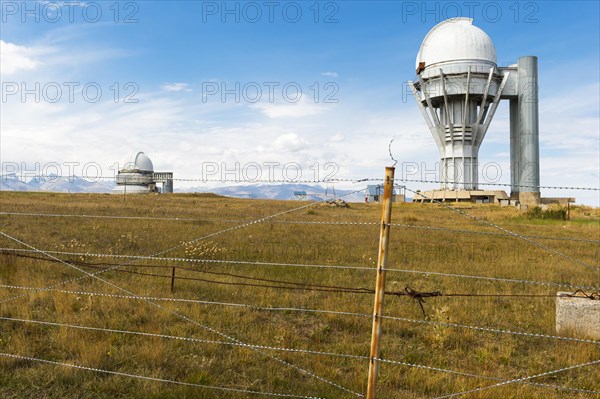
[
  {"x": 558, "y": 200},
  {"x": 531, "y": 198},
  {"x": 475, "y": 196},
  {"x": 579, "y": 315}
]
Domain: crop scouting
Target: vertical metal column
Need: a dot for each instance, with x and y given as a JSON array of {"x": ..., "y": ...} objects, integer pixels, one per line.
[
  {"x": 515, "y": 153},
  {"x": 168, "y": 187},
  {"x": 529, "y": 179},
  {"x": 384, "y": 239}
]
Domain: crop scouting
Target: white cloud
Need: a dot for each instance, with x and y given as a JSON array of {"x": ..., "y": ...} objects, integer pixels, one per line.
[
  {"x": 354, "y": 135},
  {"x": 289, "y": 142},
  {"x": 16, "y": 58},
  {"x": 183, "y": 138},
  {"x": 176, "y": 87},
  {"x": 53, "y": 59},
  {"x": 570, "y": 122},
  {"x": 336, "y": 138},
  {"x": 290, "y": 110}
]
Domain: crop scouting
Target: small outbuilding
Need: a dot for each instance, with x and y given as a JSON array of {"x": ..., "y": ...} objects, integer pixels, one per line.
[
  {"x": 374, "y": 193},
  {"x": 476, "y": 196},
  {"x": 136, "y": 176}
]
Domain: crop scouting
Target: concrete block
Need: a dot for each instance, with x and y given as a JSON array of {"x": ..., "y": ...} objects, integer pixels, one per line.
[
  {"x": 579, "y": 315},
  {"x": 532, "y": 199}
]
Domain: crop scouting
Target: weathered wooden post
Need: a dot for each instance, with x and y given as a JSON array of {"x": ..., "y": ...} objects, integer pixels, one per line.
[{"x": 384, "y": 239}]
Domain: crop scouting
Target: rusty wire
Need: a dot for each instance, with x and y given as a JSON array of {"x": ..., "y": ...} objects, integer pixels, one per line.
[
  {"x": 258, "y": 282},
  {"x": 594, "y": 296},
  {"x": 306, "y": 310},
  {"x": 10, "y": 251}
]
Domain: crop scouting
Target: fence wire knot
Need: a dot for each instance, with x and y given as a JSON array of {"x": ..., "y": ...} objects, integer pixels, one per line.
[
  {"x": 419, "y": 297},
  {"x": 595, "y": 296}
]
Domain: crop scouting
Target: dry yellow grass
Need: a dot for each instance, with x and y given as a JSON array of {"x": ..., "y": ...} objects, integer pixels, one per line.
[{"x": 435, "y": 345}]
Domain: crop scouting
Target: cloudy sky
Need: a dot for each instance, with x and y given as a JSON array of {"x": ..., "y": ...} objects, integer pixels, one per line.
[{"x": 282, "y": 89}]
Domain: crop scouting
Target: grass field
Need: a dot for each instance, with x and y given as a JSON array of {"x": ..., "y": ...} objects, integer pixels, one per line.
[{"x": 274, "y": 258}]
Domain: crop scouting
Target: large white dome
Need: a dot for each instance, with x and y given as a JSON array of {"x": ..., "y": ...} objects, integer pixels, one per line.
[
  {"x": 136, "y": 161},
  {"x": 456, "y": 40}
]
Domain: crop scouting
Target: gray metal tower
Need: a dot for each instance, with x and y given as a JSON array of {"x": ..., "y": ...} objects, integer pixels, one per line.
[{"x": 458, "y": 91}]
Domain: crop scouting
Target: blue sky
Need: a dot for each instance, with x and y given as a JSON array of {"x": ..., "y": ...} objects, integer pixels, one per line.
[{"x": 350, "y": 60}]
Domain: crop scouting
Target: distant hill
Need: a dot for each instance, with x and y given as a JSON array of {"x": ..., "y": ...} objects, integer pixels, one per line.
[
  {"x": 60, "y": 184},
  {"x": 279, "y": 192},
  {"x": 75, "y": 184}
]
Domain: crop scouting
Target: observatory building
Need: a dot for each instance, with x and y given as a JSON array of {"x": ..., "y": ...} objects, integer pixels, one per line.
[
  {"x": 136, "y": 176},
  {"x": 458, "y": 90}
]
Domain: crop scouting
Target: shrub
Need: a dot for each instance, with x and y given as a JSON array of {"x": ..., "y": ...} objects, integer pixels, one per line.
[{"x": 551, "y": 214}]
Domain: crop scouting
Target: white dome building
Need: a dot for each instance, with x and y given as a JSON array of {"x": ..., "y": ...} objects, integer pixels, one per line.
[
  {"x": 136, "y": 175},
  {"x": 456, "y": 42},
  {"x": 458, "y": 88},
  {"x": 136, "y": 161},
  {"x": 458, "y": 80}
]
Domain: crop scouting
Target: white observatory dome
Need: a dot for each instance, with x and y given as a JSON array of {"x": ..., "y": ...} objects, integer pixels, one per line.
[
  {"x": 136, "y": 162},
  {"x": 456, "y": 40},
  {"x": 136, "y": 175}
]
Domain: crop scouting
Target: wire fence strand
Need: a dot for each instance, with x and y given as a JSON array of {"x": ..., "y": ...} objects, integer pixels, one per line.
[
  {"x": 305, "y": 310},
  {"x": 300, "y": 222},
  {"x": 279, "y": 284},
  {"x": 263, "y": 349},
  {"x": 155, "y": 379},
  {"x": 183, "y": 317},
  {"x": 299, "y": 181},
  {"x": 513, "y": 234},
  {"x": 520, "y": 380},
  {"x": 300, "y": 265},
  {"x": 292, "y": 350}
]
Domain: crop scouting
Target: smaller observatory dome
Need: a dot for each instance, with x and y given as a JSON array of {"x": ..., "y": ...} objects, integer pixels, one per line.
[
  {"x": 136, "y": 162},
  {"x": 136, "y": 175},
  {"x": 456, "y": 40}
]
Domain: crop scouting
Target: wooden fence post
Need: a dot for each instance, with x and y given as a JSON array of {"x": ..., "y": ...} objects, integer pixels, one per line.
[{"x": 384, "y": 238}]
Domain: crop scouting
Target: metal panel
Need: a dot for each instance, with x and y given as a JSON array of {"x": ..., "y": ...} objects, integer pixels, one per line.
[{"x": 529, "y": 179}]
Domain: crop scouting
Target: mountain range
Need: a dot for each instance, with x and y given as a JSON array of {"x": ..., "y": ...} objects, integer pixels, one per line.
[
  {"x": 288, "y": 191},
  {"x": 53, "y": 183}
]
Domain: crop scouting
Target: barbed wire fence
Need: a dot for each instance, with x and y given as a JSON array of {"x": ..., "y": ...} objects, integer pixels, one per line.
[
  {"x": 24, "y": 176},
  {"x": 103, "y": 272}
]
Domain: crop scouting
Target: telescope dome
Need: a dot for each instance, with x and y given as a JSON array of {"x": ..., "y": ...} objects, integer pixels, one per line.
[
  {"x": 136, "y": 162},
  {"x": 455, "y": 40}
]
